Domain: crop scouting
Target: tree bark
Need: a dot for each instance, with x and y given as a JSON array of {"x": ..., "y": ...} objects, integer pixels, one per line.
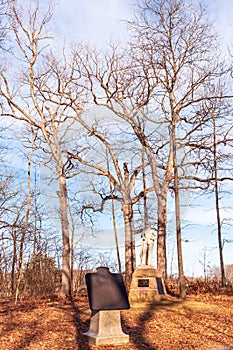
[
  {"x": 66, "y": 280},
  {"x": 220, "y": 246},
  {"x": 14, "y": 259},
  {"x": 24, "y": 231},
  {"x": 161, "y": 242},
  {"x": 182, "y": 292},
  {"x": 129, "y": 244}
]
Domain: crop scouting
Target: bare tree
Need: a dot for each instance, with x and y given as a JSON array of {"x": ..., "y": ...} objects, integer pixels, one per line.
[
  {"x": 208, "y": 158},
  {"x": 123, "y": 181},
  {"x": 217, "y": 168},
  {"x": 114, "y": 82},
  {"x": 27, "y": 213},
  {"x": 114, "y": 218},
  {"x": 159, "y": 86},
  {"x": 40, "y": 96},
  {"x": 177, "y": 45},
  {"x": 216, "y": 187},
  {"x": 13, "y": 206},
  {"x": 3, "y": 21}
]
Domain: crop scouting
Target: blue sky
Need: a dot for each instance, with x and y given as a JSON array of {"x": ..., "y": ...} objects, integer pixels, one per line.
[
  {"x": 223, "y": 12},
  {"x": 94, "y": 20},
  {"x": 97, "y": 21}
]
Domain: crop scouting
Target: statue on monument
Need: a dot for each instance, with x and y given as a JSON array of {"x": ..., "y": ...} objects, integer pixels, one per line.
[
  {"x": 149, "y": 235},
  {"x": 147, "y": 285}
]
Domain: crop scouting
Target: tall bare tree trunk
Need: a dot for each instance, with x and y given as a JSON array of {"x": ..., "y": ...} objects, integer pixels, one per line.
[
  {"x": 14, "y": 259},
  {"x": 129, "y": 264},
  {"x": 144, "y": 188},
  {"x": 161, "y": 244},
  {"x": 220, "y": 246},
  {"x": 177, "y": 210},
  {"x": 66, "y": 280},
  {"x": 115, "y": 231},
  {"x": 35, "y": 215},
  {"x": 133, "y": 251},
  {"x": 72, "y": 250},
  {"x": 21, "y": 247},
  {"x": 114, "y": 218},
  {"x": 161, "y": 190}
]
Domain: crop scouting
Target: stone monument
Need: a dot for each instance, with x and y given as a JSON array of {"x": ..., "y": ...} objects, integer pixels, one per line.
[
  {"x": 147, "y": 285},
  {"x": 107, "y": 296}
]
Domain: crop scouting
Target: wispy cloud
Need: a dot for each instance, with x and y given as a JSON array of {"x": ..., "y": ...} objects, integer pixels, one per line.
[
  {"x": 99, "y": 20},
  {"x": 93, "y": 20},
  {"x": 222, "y": 12},
  {"x": 207, "y": 216}
]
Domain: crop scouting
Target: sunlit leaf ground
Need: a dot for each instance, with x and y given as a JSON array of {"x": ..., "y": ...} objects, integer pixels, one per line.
[{"x": 200, "y": 322}]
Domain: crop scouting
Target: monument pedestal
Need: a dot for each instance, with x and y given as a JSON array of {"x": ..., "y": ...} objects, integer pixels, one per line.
[
  {"x": 147, "y": 285},
  {"x": 105, "y": 328},
  {"x": 107, "y": 296}
]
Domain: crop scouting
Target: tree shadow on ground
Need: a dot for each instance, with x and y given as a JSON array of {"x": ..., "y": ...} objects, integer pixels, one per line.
[
  {"x": 81, "y": 327},
  {"x": 138, "y": 335}
]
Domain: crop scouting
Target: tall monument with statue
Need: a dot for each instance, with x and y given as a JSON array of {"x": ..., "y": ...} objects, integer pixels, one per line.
[{"x": 147, "y": 285}]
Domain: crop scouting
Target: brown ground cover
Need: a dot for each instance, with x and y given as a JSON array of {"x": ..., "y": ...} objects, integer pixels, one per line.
[{"x": 201, "y": 322}]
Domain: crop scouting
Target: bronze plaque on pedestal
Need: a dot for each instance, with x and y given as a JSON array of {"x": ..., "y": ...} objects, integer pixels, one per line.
[{"x": 143, "y": 282}]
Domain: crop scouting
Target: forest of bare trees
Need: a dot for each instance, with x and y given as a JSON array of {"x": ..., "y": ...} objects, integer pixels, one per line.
[{"x": 91, "y": 136}]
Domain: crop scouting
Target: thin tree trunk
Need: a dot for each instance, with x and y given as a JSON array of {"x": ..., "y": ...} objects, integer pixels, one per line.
[
  {"x": 133, "y": 251},
  {"x": 72, "y": 249},
  {"x": 144, "y": 188},
  {"x": 177, "y": 210},
  {"x": 161, "y": 194},
  {"x": 115, "y": 233},
  {"x": 128, "y": 245},
  {"x": 65, "y": 290},
  {"x": 114, "y": 219},
  {"x": 222, "y": 269},
  {"x": 129, "y": 231},
  {"x": 21, "y": 247},
  {"x": 161, "y": 243},
  {"x": 14, "y": 261},
  {"x": 35, "y": 215}
]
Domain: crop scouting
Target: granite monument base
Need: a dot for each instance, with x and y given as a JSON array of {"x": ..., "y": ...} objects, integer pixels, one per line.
[
  {"x": 105, "y": 328},
  {"x": 147, "y": 285}
]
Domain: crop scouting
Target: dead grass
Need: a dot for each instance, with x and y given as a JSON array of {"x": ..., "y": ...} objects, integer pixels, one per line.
[{"x": 201, "y": 322}]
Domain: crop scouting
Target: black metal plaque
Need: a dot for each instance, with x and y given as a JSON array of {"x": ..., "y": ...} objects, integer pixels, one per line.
[
  {"x": 143, "y": 282},
  {"x": 106, "y": 290},
  {"x": 160, "y": 286}
]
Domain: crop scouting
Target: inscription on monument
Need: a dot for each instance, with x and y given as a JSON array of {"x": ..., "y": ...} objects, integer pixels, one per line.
[{"x": 143, "y": 282}]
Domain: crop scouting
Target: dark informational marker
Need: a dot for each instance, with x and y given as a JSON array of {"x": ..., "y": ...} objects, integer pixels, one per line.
[
  {"x": 107, "y": 296},
  {"x": 160, "y": 286},
  {"x": 106, "y": 290}
]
